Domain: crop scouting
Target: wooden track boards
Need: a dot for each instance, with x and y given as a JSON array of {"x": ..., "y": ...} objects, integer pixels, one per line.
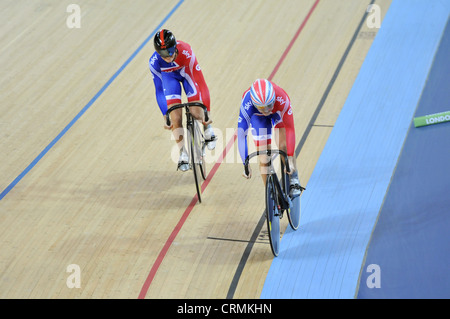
[{"x": 106, "y": 196}]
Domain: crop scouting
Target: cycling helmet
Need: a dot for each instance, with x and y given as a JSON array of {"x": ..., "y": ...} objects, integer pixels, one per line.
[
  {"x": 262, "y": 94},
  {"x": 165, "y": 43}
]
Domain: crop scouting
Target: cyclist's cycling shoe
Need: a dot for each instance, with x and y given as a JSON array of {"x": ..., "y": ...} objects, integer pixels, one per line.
[
  {"x": 295, "y": 189},
  {"x": 210, "y": 138},
  {"x": 183, "y": 161}
]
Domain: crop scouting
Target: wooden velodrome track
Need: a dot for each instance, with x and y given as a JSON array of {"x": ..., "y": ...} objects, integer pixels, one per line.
[{"x": 88, "y": 174}]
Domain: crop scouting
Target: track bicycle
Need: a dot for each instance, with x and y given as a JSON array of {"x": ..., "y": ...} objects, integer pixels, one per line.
[
  {"x": 278, "y": 200},
  {"x": 196, "y": 141}
]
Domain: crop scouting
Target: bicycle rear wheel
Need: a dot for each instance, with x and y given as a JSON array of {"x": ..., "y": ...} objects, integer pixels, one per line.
[
  {"x": 272, "y": 216},
  {"x": 194, "y": 159}
]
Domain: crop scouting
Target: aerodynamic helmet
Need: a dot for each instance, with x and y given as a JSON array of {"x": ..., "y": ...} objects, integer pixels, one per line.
[
  {"x": 165, "y": 43},
  {"x": 262, "y": 94}
]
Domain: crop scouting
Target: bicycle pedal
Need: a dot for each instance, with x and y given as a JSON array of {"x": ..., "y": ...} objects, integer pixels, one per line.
[{"x": 211, "y": 144}]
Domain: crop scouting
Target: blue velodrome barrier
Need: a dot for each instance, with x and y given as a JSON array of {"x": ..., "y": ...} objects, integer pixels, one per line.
[
  {"x": 325, "y": 257},
  {"x": 411, "y": 243}
]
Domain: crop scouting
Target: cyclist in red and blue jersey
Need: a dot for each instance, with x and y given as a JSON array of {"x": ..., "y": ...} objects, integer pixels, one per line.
[
  {"x": 265, "y": 105},
  {"x": 174, "y": 64}
]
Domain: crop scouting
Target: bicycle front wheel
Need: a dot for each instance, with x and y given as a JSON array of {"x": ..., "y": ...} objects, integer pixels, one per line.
[
  {"x": 200, "y": 149},
  {"x": 272, "y": 216},
  {"x": 194, "y": 159}
]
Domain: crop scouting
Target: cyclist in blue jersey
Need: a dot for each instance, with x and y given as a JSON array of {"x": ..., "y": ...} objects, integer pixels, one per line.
[
  {"x": 174, "y": 64},
  {"x": 265, "y": 105}
]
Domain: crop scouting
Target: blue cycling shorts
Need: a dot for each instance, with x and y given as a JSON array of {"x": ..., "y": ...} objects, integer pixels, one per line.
[{"x": 172, "y": 87}]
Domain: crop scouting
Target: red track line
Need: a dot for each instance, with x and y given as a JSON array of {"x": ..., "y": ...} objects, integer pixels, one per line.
[
  {"x": 275, "y": 70},
  {"x": 219, "y": 161},
  {"x": 185, "y": 215}
]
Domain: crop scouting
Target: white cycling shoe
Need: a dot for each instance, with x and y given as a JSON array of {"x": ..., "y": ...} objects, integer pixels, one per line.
[
  {"x": 295, "y": 189},
  {"x": 210, "y": 138},
  {"x": 183, "y": 161}
]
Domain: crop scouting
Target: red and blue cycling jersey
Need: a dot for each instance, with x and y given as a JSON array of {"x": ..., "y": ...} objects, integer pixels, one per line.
[
  {"x": 281, "y": 116},
  {"x": 184, "y": 70}
]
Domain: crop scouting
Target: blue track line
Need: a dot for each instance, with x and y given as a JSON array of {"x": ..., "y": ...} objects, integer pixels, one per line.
[{"x": 87, "y": 106}]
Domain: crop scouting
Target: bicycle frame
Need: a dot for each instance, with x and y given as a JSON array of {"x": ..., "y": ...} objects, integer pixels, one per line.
[
  {"x": 277, "y": 198},
  {"x": 195, "y": 146}
]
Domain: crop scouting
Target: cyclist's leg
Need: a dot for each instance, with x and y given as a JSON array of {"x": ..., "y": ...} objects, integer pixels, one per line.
[
  {"x": 262, "y": 137},
  {"x": 172, "y": 89},
  {"x": 194, "y": 94},
  {"x": 199, "y": 115},
  {"x": 176, "y": 118},
  {"x": 280, "y": 140}
]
